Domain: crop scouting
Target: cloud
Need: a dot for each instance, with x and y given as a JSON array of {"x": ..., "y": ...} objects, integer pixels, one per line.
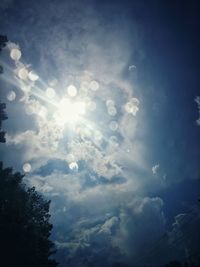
[
  {"x": 106, "y": 219},
  {"x": 107, "y": 238},
  {"x": 141, "y": 223},
  {"x": 131, "y": 67},
  {"x": 77, "y": 57},
  {"x": 183, "y": 236},
  {"x": 51, "y": 166},
  {"x": 155, "y": 169}
]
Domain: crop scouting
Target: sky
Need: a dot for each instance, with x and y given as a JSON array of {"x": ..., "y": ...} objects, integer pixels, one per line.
[{"x": 103, "y": 106}]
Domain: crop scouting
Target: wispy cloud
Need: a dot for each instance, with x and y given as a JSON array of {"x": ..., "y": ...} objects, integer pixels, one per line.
[{"x": 155, "y": 169}]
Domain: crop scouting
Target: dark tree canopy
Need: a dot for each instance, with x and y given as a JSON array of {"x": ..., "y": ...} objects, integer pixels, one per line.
[
  {"x": 24, "y": 224},
  {"x": 3, "y": 41},
  {"x": 24, "y": 216},
  {"x": 3, "y": 116}
]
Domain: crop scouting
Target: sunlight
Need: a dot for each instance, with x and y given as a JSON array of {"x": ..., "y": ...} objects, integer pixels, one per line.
[
  {"x": 69, "y": 112},
  {"x": 11, "y": 96},
  {"x": 23, "y": 73},
  {"x": 27, "y": 167},
  {"x": 72, "y": 91},
  {"x": 33, "y": 76},
  {"x": 15, "y": 54},
  {"x": 50, "y": 92},
  {"x": 73, "y": 166}
]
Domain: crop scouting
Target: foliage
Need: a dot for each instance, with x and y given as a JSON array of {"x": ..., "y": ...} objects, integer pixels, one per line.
[
  {"x": 3, "y": 41},
  {"x": 24, "y": 224},
  {"x": 3, "y": 116}
]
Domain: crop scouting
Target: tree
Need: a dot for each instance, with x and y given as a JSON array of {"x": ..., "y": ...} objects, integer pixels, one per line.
[
  {"x": 24, "y": 217},
  {"x": 24, "y": 224},
  {"x": 173, "y": 264},
  {"x": 3, "y": 116},
  {"x": 3, "y": 41}
]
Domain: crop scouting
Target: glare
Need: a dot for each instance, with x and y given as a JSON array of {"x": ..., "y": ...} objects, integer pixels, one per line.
[
  {"x": 85, "y": 84},
  {"x": 83, "y": 92},
  {"x": 33, "y": 76},
  {"x": 73, "y": 166},
  {"x": 113, "y": 125},
  {"x": 53, "y": 82},
  {"x": 69, "y": 112},
  {"x": 112, "y": 110},
  {"x": 26, "y": 88},
  {"x": 42, "y": 112},
  {"x": 50, "y": 92},
  {"x": 23, "y": 73},
  {"x": 98, "y": 138},
  {"x": 11, "y": 96},
  {"x": 15, "y": 54},
  {"x": 92, "y": 105},
  {"x": 83, "y": 132},
  {"x": 71, "y": 90},
  {"x": 94, "y": 85},
  {"x": 132, "y": 106},
  {"x": 110, "y": 103},
  {"x": 27, "y": 167},
  {"x": 98, "y": 135}
]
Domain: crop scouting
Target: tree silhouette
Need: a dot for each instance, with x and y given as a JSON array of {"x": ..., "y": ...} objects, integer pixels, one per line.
[
  {"x": 24, "y": 224},
  {"x": 3, "y": 116},
  {"x": 24, "y": 217},
  {"x": 3, "y": 41},
  {"x": 173, "y": 264}
]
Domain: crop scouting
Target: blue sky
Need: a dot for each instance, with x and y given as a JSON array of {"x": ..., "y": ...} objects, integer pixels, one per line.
[{"x": 103, "y": 107}]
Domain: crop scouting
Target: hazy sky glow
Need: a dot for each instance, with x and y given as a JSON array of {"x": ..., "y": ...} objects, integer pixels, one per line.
[{"x": 104, "y": 110}]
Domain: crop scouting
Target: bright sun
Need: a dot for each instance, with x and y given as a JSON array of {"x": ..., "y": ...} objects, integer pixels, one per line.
[{"x": 69, "y": 112}]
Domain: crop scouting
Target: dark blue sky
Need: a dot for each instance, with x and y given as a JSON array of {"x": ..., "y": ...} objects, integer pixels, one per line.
[{"x": 124, "y": 178}]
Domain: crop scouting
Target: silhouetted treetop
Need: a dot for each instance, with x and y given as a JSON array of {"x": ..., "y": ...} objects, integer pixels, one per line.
[
  {"x": 3, "y": 116},
  {"x": 24, "y": 224},
  {"x": 3, "y": 41}
]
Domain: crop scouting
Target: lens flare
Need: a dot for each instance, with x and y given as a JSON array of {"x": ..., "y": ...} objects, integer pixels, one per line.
[
  {"x": 15, "y": 54},
  {"x": 69, "y": 112},
  {"x": 50, "y": 92},
  {"x": 72, "y": 91},
  {"x": 11, "y": 96},
  {"x": 94, "y": 85},
  {"x": 73, "y": 166},
  {"x": 23, "y": 73},
  {"x": 27, "y": 167},
  {"x": 33, "y": 76},
  {"x": 113, "y": 125}
]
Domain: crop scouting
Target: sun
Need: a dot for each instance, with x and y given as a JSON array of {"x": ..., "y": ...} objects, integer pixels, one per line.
[{"x": 69, "y": 111}]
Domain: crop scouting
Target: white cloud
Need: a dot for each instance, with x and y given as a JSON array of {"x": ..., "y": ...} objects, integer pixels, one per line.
[
  {"x": 127, "y": 231},
  {"x": 183, "y": 235},
  {"x": 155, "y": 169},
  {"x": 131, "y": 67}
]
